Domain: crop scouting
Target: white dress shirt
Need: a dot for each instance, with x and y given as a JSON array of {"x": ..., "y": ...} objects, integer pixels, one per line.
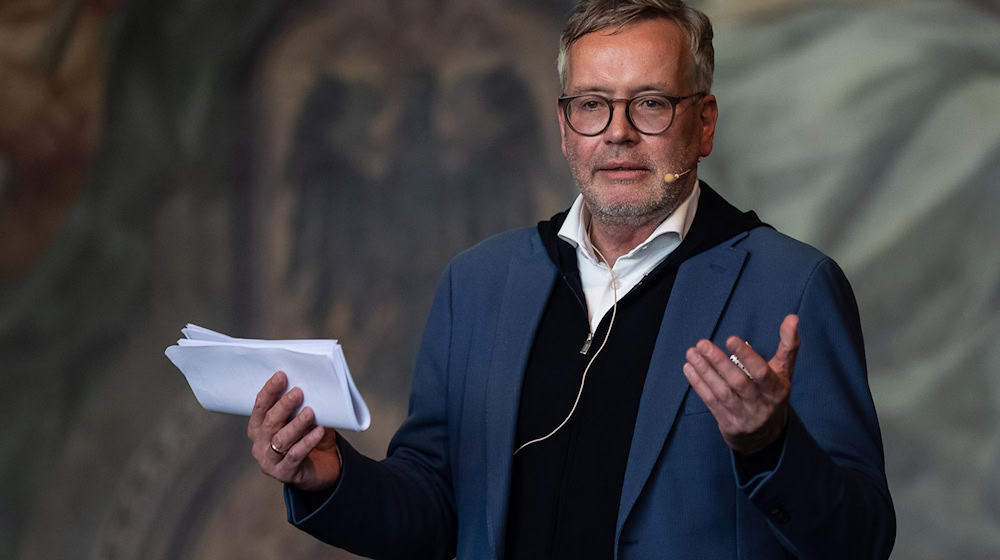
[{"x": 631, "y": 267}]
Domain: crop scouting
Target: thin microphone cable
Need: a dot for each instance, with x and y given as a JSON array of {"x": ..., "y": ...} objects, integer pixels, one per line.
[{"x": 579, "y": 393}]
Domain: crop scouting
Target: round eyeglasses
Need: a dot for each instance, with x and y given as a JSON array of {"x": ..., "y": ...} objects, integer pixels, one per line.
[{"x": 590, "y": 114}]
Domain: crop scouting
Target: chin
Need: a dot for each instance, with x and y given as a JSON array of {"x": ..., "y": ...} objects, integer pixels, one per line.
[{"x": 623, "y": 212}]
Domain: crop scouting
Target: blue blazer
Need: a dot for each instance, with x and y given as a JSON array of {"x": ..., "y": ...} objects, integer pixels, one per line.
[{"x": 443, "y": 489}]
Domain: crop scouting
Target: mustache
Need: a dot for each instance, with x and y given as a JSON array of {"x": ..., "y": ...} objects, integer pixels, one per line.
[{"x": 623, "y": 159}]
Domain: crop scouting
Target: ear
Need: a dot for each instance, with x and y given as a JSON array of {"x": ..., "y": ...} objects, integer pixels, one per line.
[
  {"x": 562, "y": 128},
  {"x": 708, "y": 115}
]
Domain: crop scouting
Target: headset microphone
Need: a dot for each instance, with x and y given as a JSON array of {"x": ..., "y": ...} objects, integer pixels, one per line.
[{"x": 671, "y": 177}]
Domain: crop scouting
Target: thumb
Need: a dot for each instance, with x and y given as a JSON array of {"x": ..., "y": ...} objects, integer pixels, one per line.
[{"x": 783, "y": 361}]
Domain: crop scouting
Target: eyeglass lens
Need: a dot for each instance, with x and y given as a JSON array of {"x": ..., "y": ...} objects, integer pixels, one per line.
[{"x": 590, "y": 114}]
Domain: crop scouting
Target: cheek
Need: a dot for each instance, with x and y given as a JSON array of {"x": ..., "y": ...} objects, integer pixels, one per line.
[
  {"x": 579, "y": 164},
  {"x": 685, "y": 145},
  {"x": 571, "y": 150},
  {"x": 580, "y": 147}
]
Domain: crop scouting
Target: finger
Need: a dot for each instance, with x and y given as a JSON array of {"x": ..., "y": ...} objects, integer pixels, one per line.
[
  {"x": 298, "y": 452},
  {"x": 714, "y": 381},
  {"x": 268, "y": 395},
  {"x": 699, "y": 385},
  {"x": 286, "y": 438},
  {"x": 770, "y": 385},
  {"x": 722, "y": 408},
  {"x": 783, "y": 361},
  {"x": 280, "y": 414},
  {"x": 733, "y": 376},
  {"x": 754, "y": 363}
]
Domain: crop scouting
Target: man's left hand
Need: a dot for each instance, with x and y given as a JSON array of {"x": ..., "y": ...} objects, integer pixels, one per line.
[{"x": 751, "y": 407}]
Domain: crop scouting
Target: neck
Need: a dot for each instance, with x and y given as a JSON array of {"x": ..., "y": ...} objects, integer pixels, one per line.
[
  {"x": 613, "y": 240},
  {"x": 614, "y": 237}
]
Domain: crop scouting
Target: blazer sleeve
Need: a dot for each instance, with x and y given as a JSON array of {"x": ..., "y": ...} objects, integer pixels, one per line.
[
  {"x": 402, "y": 506},
  {"x": 827, "y": 496}
]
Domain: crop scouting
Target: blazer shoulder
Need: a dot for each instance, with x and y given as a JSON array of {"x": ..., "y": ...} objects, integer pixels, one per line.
[
  {"x": 498, "y": 250},
  {"x": 780, "y": 248}
]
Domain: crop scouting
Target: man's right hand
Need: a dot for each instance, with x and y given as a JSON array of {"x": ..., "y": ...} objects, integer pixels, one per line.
[{"x": 295, "y": 451}]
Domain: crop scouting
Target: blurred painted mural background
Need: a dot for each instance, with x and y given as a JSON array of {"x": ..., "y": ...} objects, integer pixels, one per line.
[{"x": 305, "y": 169}]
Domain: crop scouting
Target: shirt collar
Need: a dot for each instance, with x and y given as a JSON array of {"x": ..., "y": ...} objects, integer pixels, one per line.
[{"x": 574, "y": 228}]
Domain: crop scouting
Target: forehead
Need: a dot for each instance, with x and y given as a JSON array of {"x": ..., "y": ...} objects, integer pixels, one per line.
[{"x": 650, "y": 54}]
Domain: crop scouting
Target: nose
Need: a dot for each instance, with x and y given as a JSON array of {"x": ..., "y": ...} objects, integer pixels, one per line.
[{"x": 620, "y": 130}]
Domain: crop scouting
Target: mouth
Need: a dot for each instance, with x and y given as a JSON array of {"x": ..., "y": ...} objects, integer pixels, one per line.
[
  {"x": 617, "y": 165},
  {"x": 622, "y": 170}
]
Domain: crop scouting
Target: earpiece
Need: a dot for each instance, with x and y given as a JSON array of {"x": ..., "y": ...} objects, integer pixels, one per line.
[
  {"x": 607, "y": 335},
  {"x": 671, "y": 177}
]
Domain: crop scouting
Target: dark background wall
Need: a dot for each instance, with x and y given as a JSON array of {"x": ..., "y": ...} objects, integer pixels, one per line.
[{"x": 305, "y": 169}]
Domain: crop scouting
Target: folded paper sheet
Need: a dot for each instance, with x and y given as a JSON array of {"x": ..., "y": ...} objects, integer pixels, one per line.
[{"x": 226, "y": 373}]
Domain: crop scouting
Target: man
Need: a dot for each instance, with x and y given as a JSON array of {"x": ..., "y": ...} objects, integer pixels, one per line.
[{"x": 571, "y": 398}]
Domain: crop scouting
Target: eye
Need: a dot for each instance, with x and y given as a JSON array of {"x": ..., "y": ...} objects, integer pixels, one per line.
[
  {"x": 589, "y": 104},
  {"x": 651, "y": 103}
]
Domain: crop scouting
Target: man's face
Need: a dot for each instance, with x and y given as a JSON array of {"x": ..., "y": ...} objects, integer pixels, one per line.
[{"x": 620, "y": 171}]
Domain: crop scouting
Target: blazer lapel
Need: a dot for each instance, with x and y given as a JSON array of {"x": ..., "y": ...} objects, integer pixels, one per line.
[
  {"x": 529, "y": 282},
  {"x": 698, "y": 297}
]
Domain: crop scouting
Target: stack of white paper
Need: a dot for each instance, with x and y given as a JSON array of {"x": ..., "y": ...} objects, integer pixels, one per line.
[{"x": 226, "y": 373}]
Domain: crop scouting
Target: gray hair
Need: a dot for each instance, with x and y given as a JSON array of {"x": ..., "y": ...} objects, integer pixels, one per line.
[{"x": 593, "y": 15}]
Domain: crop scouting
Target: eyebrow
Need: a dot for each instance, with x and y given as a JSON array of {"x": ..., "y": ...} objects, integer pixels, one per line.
[{"x": 647, "y": 88}]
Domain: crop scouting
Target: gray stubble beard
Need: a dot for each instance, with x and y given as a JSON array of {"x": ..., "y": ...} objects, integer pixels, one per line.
[{"x": 631, "y": 214}]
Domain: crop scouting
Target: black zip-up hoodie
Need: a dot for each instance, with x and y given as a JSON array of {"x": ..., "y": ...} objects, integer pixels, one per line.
[{"x": 565, "y": 490}]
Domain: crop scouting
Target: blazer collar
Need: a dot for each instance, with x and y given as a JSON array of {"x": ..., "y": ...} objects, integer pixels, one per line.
[
  {"x": 703, "y": 286},
  {"x": 529, "y": 283}
]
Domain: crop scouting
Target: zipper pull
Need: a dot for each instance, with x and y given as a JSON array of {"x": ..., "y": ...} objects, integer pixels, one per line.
[{"x": 586, "y": 343}]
